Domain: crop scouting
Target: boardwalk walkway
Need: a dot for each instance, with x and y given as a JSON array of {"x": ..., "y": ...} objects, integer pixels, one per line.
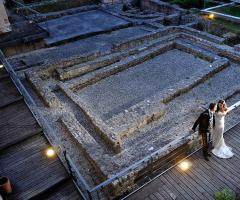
[
  {"x": 21, "y": 151},
  {"x": 201, "y": 180}
]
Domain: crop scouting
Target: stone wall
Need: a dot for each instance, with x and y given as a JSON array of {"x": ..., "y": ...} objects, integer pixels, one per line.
[{"x": 161, "y": 7}]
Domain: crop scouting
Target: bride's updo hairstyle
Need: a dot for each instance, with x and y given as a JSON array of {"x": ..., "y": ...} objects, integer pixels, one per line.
[{"x": 219, "y": 102}]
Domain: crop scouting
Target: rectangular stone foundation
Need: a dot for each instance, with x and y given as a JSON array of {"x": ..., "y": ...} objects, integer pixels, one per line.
[{"x": 142, "y": 95}]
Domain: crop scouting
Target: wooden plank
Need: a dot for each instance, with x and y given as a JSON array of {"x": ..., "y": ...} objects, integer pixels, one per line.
[
  {"x": 186, "y": 182},
  {"x": 231, "y": 166},
  {"x": 65, "y": 191},
  {"x": 159, "y": 196},
  {"x": 22, "y": 144},
  {"x": 11, "y": 101},
  {"x": 24, "y": 150},
  {"x": 181, "y": 183},
  {"x": 151, "y": 190},
  {"x": 152, "y": 197},
  {"x": 161, "y": 191},
  {"x": 202, "y": 172},
  {"x": 215, "y": 174},
  {"x": 8, "y": 92},
  {"x": 173, "y": 183},
  {"x": 16, "y": 123},
  {"x": 198, "y": 175},
  {"x": 228, "y": 164},
  {"x": 173, "y": 191},
  {"x": 200, "y": 185},
  {"x": 233, "y": 138},
  {"x": 31, "y": 172},
  {"x": 219, "y": 169},
  {"x": 194, "y": 181},
  {"x": 2, "y": 70},
  {"x": 203, "y": 178},
  {"x": 171, "y": 194},
  {"x": 2, "y": 76}
]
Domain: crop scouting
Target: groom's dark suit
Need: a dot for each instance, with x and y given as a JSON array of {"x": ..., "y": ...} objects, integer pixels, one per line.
[{"x": 206, "y": 122}]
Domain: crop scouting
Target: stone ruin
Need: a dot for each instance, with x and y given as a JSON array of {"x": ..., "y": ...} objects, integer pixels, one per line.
[{"x": 115, "y": 96}]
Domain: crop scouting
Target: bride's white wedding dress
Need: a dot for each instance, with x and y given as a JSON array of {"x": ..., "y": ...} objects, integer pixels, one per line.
[{"x": 220, "y": 150}]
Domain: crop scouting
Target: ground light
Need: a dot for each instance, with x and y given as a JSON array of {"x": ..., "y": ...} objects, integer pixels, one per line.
[
  {"x": 50, "y": 152},
  {"x": 185, "y": 165},
  {"x": 211, "y": 16}
]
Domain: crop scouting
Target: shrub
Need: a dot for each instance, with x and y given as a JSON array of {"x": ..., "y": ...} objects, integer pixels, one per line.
[{"x": 225, "y": 194}]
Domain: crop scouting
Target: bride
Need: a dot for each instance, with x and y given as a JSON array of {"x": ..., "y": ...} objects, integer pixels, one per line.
[{"x": 220, "y": 150}]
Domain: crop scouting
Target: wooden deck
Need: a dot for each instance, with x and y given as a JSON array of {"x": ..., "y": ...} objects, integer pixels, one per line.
[
  {"x": 22, "y": 142},
  {"x": 201, "y": 180}
]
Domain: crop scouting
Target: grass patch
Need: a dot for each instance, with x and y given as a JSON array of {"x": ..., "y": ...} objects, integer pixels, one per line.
[
  {"x": 232, "y": 27},
  {"x": 229, "y": 10},
  {"x": 225, "y": 194}
]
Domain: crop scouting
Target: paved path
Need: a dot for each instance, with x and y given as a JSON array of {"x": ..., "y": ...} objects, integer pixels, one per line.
[
  {"x": 81, "y": 25},
  {"x": 201, "y": 180}
]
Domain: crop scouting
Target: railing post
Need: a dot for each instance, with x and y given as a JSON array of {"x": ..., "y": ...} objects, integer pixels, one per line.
[
  {"x": 68, "y": 164},
  {"x": 79, "y": 181},
  {"x": 89, "y": 195}
]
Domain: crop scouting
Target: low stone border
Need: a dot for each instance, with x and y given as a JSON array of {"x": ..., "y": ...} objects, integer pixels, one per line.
[
  {"x": 131, "y": 61},
  {"x": 105, "y": 132},
  {"x": 140, "y": 16},
  {"x": 53, "y": 15},
  {"x": 49, "y": 98},
  {"x": 93, "y": 150},
  {"x": 237, "y": 47},
  {"x": 79, "y": 69}
]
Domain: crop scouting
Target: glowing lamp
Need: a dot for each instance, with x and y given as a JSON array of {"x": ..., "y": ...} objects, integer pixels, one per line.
[
  {"x": 211, "y": 16},
  {"x": 50, "y": 152},
  {"x": 184, "y": 165},
  {"x": 1, "y": 66}
]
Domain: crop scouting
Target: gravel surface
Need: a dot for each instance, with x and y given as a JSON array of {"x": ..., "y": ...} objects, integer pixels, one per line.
[
  {"x": 102, "y": 42},
  {"x": 84, "y": 23},
  {"x": 119, "y": 92}
]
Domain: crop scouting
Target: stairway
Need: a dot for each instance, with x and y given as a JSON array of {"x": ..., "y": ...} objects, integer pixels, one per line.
[{"x": 33, "y": 176}]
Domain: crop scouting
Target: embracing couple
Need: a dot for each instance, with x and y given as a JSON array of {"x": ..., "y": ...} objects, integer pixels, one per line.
[{"x": 211, "y": 126}]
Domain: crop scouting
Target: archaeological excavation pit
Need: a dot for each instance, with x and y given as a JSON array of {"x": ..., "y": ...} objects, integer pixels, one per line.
[
  {"x": 115, "y": 88},
  {"x": 113, "y": 107}
]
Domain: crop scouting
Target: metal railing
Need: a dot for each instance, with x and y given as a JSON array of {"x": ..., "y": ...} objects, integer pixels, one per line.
[{"x": 78, "y": 178}]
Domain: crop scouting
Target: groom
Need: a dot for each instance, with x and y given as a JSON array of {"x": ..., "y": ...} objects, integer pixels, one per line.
[{"x": 206, "y": 123}]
